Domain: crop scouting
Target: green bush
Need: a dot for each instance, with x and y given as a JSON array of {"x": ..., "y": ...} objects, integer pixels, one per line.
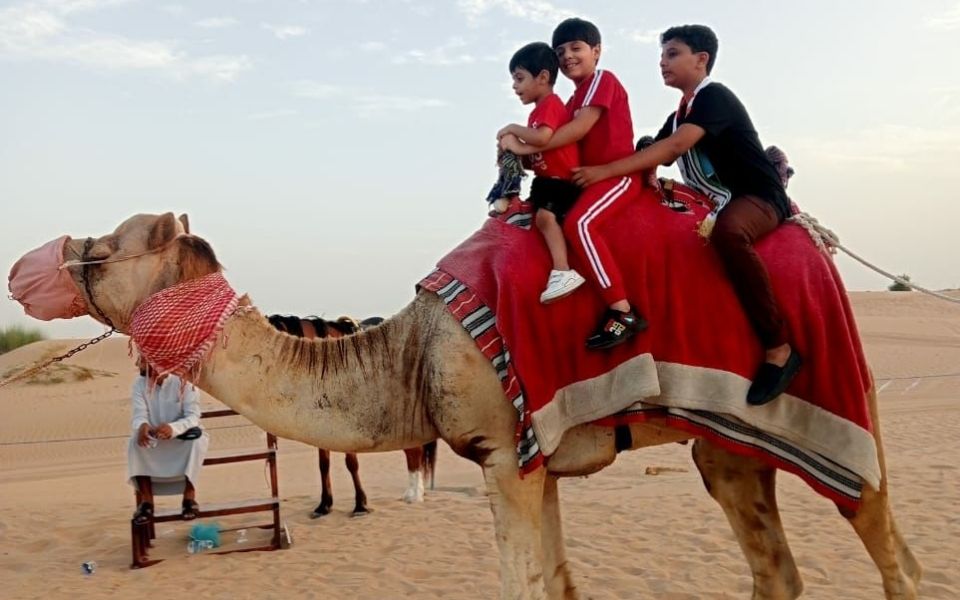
[
  {"x": 896, "y": 286},
  {"x": 16, "y": 336}
]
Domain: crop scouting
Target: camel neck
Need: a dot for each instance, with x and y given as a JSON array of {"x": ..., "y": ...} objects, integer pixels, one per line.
[{"x": 363, "y": 392}]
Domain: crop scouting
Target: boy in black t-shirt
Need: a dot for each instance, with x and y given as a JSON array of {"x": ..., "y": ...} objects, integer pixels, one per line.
[{"x": 719, "y": 153}]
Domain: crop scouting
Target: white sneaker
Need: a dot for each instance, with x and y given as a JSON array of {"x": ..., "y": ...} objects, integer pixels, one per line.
[{"x": 560, "y": 284}]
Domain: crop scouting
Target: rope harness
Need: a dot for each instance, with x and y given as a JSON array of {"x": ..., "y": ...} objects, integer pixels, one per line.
[{"x": 827, "y": 241}]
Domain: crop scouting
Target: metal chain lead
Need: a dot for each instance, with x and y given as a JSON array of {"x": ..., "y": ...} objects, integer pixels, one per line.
[
  {"x": 86, "y": 283},
  {"x": 34, "y": 370}
]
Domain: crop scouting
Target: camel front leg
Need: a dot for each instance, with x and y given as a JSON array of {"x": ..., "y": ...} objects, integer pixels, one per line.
[
  {"x": 745, "y": 489},
  {"x": 517, "y": 506},
  {"x": 326, "y": 488},
  {"x": 558, "y": 581}
]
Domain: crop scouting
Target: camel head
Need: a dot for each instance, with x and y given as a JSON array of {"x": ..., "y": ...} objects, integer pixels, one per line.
[{"x": 145, "y": 254}]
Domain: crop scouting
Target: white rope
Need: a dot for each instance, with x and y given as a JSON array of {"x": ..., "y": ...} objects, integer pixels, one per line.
[
  {"x": 828, "y": 242},
  {"x": 912, "y": 377},
  {"x": 104, "y": 261}
]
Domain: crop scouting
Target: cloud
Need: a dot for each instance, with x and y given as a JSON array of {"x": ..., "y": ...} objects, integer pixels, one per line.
[
  {"x": 894, "y": 147},
  {"x": 376, "y": 104},
  {"x": 72, "y": 6},
  {"x": 949, "y": 20},
  {"x": 538, "y": 11},
  {"x": 449, "y": 54},
  {"x": 173, "y": 9},
  {"x": 648, "y": 36},
  {"x": 362, "y": 101},
  {"x": 947, "y": 102},
  {"x": 26, "y": 24},
  {"x": 272, "y": 114},
  {"x": 216, "y": 22},
  {"x": 373, "y": 46},
  {"x": 219, "y": 67},
  {"x": 34, "y": 31},
  {"x": 315, "y": 90},
  {"x": 420, "y": 8},
  {"x": 283, "y": 32}
]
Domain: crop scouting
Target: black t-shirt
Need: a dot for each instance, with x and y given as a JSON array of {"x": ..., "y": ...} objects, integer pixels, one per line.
[{"x": 732, "y": 145}]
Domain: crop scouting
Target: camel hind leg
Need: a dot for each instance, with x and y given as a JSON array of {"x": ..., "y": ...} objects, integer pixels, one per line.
[
  {"x": 746, "y": 490},
  {"x": 360, "y": 497},
  {"x": 876, "y": 527},
  {"x": 415, "y": 461}
]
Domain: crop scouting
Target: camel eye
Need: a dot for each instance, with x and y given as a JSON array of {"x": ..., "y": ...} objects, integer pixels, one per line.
[{"x": 102, "y": 248}]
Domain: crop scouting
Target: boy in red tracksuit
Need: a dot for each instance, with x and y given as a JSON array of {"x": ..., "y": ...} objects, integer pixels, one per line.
[{"x": 602, "y": 127}]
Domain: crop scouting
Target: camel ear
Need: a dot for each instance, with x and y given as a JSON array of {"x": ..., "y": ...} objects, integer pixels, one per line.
[
  {"x": 163, "y": 231},
  {"x": 185, "y": 221}
]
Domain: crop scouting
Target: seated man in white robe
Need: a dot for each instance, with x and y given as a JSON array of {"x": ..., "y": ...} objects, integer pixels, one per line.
[{"x": 159, "y": 462}]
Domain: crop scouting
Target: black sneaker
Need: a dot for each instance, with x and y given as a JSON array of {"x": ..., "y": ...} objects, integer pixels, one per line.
[
  {"x": 771, "y": 380},
  {"x": 615, "y": 328}
]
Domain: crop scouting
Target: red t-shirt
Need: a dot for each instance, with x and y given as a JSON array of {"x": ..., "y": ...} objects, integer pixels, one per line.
[
  {"x": 611, "y": 137},
  {"x": 559, "y": 162}
]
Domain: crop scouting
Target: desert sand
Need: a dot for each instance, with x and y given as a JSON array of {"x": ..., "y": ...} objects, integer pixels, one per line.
[{"x": 643, "y": 528}]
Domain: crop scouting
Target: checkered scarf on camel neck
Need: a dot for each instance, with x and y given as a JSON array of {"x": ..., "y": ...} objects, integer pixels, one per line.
[{"x": 176, "y": 327}]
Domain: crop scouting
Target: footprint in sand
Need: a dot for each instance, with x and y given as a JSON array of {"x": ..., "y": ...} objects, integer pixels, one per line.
[
  {"x": 659, "y": 470},
  {"x": 466, "y": 490}
]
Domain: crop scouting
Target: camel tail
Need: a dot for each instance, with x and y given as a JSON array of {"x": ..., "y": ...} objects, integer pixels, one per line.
[{"x": 428, "y": 465}]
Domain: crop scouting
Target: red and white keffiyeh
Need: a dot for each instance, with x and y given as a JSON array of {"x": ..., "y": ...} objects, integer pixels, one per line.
[{"x": 176, "y": 327}]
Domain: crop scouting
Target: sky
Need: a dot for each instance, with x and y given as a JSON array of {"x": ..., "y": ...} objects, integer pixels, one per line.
[{"x": 333, "y": 151}]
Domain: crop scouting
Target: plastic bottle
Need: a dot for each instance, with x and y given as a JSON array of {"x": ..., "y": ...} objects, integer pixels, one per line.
[{"x": 198, "y": 546}]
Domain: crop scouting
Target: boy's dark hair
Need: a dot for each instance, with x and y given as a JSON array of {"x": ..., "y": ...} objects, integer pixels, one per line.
[
  {"x": 536, "y": 57},
  {"x": 700, "y": 38},
  {"x": 576, "y": 30}
]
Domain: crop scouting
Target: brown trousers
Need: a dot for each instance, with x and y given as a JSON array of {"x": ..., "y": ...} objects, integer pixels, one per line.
[{"x": 743, "y": 222}]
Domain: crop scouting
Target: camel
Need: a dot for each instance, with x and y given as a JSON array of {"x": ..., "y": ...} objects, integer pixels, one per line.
[
  {"x": 418, "y": 377},
  {"x": 421, "y": 460}
]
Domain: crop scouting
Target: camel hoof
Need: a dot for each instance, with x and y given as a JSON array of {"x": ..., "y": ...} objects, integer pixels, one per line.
[
  {"x": 414, "y": 491},
  {"x": 413, "y": 497}
]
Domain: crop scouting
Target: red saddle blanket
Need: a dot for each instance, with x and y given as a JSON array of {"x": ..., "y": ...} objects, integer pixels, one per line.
[{"x": 695, "y": 360}]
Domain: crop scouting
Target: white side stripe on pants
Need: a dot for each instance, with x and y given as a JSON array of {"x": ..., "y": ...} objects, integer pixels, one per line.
[{"x": 583, "y": 227}]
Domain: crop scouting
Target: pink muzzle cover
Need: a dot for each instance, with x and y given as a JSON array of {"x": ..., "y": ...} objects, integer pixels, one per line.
[{"x": 45, "y": 290}]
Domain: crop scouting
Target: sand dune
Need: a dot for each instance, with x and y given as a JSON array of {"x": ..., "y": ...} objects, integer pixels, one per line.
[{"x": 630, "y": 534}]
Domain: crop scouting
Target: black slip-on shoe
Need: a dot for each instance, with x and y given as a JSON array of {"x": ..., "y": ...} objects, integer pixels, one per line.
[
  {"x": 615, "y": 328},
  {"x": 771, "y": 380}
]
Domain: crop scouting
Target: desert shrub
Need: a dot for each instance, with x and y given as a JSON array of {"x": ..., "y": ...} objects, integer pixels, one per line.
[
  {"x": 15, "y": 336},
  {"x": 896, "y": 286}
]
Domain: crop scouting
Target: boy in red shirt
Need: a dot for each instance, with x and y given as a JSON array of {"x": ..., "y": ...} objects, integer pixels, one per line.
[
  {"x": 534, "y": 70},
  {"x": 603, "y": 130}
]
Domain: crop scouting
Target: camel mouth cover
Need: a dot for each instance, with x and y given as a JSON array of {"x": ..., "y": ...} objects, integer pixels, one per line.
[{"x": 45, "y": 290}]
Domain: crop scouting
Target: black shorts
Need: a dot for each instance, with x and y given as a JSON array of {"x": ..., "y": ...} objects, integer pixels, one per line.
[{"x": 555, "y": 195}]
